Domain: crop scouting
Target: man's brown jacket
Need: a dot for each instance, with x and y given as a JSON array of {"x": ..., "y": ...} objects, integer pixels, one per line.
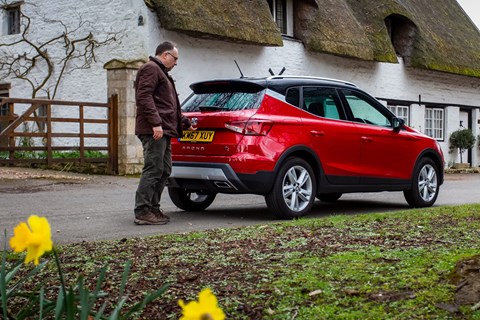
[{"x": 157, "y": 101}]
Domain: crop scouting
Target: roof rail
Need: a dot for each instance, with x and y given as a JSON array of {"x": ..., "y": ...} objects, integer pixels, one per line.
[{"x": 313, "y": 78}]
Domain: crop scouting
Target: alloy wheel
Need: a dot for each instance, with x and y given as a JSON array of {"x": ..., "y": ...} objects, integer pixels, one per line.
[
  {"x": 427, "y": 183},
  {"x": 297, "y": 188}
]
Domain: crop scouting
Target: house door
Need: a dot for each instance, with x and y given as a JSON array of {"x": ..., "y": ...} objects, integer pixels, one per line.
[{"x": 466, "y": 122}]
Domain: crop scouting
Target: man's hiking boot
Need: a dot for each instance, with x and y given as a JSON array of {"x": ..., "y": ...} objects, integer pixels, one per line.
[
  {"x": 149, "y": 218},
  {"x": 159, "y": 213}
]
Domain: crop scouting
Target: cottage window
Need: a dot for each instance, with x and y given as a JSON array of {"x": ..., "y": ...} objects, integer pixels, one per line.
[
  {"x": 282, "y": 13},
  {"x": 401, "y": 112},
  {"x": 434, "y": 123},
  {"x": 13, "y": 15}
]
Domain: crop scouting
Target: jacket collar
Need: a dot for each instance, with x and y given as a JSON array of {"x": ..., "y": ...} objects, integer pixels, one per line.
[{"x": 160, "y": 64}]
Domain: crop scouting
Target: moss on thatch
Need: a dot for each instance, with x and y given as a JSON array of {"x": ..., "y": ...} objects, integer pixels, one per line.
[{"x": 246, "y": 21}]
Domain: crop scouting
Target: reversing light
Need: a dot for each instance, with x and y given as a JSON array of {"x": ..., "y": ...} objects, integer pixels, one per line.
[{"x": 250, "y": 127}]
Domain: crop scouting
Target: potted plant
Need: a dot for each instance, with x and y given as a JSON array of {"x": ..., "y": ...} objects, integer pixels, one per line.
[{"x": 462, "y": 139}]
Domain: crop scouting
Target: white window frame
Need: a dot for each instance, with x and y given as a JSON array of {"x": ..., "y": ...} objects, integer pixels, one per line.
[
  {"x": 435, "y": 123},
  {"x": 288, "y": 8},
  {"x": 401, "y": 112}
]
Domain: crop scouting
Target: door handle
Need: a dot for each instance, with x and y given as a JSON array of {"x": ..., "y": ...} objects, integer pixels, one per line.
[
  {"x": 366, "y": 139},
  {"x": 317, "y": 133}
]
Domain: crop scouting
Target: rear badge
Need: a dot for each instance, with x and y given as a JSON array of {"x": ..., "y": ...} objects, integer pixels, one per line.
[{"x": 193, "y": 148}]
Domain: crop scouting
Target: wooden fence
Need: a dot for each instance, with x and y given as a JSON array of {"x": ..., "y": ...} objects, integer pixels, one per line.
[{"x": 52, "y": 132}]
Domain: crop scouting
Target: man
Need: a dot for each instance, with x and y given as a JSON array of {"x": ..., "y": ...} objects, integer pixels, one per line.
[{"x": 158, "y": 118}]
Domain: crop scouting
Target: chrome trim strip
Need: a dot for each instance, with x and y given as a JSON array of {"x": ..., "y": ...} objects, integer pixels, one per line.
[
  {"x": 198, "y": 173},
  {"x": 312, "y": 78}
]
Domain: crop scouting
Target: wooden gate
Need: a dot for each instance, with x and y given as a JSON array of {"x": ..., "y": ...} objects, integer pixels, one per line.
[{"x": 52, "y": 132}]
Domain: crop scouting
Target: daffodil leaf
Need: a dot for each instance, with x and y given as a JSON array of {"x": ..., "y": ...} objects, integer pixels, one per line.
[
  {"x": 126, "y": 271},
  {"x": 11, "y": 291},
  {"x": 116, "y": 313},
  {"x": 59, "y": 305},
  {"x": 148, "y": 298},
  {"x": 100, "y": 312}
]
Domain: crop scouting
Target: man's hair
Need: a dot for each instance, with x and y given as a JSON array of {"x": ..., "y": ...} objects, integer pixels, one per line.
[{"x": 164, "y": 46}]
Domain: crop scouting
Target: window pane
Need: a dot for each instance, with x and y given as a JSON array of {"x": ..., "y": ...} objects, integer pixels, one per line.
[
  {"x": 400, "y": 112},
  {"x": 225, "y": 101},
  {"x": 13, "y": 15},
  {"x": 278, "y": 8},
  {"x": 323, "y": 102},
  {"x": 293, "y": 96},
  {"x": 434, "y": 123},
  {"x": 281, "y": 15},
  {"x": 365, "y": 110}
]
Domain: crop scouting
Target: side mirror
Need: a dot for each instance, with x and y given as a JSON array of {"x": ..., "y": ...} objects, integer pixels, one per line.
[{"x": 397, "y": 124}]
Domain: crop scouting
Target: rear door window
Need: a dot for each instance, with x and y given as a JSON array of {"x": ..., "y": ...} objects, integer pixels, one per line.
[{"x": 323, "y": 102}]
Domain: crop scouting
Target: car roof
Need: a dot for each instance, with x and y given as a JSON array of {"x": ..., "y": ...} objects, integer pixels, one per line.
[{"x": 276, "y": 83}]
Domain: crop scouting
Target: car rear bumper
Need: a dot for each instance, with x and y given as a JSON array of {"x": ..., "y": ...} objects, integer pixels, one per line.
[{"x": 218, "y": 177}]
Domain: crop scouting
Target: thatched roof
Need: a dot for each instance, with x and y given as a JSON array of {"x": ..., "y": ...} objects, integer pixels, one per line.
[
  {"x": 331, "y": 29},
  {"x": 444, "y": 38},
  {"x": 245, "y": 21}
]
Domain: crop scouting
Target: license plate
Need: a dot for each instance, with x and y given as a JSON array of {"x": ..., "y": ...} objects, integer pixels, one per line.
[{"x": 198, "y": 136}]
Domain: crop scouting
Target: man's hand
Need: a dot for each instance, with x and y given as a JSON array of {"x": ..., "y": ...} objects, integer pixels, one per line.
[
  {"x": 192, "y": 128},
  {"x": 157, "y": 133}
]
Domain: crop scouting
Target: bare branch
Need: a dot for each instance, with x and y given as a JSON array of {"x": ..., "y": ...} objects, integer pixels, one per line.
[{"x": 35, "y": 65}]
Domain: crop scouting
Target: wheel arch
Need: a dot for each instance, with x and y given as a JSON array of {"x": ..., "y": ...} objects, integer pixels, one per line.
[
  {"x": 436, "y": 158},
  {"x": 305, "y": 153}
]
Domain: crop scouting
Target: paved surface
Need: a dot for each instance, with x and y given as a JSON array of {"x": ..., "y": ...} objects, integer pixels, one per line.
[{"x": 89, "y": 208}]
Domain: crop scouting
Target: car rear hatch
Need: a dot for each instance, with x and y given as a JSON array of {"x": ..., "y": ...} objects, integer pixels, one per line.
[{"x": 220, "y": 110}]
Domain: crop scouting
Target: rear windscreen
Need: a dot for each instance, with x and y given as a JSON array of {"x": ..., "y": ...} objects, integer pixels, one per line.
[{"x": 223, "y": 101}]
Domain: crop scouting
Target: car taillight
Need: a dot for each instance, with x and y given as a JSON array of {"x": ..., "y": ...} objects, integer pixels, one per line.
[{"x": 250, "y": 127}]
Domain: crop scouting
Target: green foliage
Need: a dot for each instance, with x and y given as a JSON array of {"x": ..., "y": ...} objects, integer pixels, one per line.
[
  {"x": 74, "y": 302},
  {"x": 55, "y": 154},
  {"x": 76, "y": 154},
  {"x": 463, "y": 139}
]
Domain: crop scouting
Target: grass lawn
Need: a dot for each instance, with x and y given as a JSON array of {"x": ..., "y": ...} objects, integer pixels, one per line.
[{"x": 413, "y": 264}]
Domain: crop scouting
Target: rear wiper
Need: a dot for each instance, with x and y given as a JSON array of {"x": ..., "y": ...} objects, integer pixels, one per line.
[{"x": 211, "y": 108}]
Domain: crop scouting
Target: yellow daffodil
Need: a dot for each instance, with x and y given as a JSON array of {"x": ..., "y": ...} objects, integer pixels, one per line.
[
  {"x": 206, "y": 308},
  {"x": 34, "y": 237}
]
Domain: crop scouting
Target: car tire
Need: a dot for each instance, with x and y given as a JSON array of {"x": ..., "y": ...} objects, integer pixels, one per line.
[
  {"x": 294, "y": 189},
  {"x": 190, "y": 200},
  {"x": 329, "y": 197},
  {"x": 425, "y": 186}
]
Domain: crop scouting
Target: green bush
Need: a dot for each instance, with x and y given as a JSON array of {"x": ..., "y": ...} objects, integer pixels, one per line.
[{"x": 463, "y": 139}]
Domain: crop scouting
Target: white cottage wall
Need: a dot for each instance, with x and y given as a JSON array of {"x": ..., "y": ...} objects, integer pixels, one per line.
[{"x": 99, "y": 17}]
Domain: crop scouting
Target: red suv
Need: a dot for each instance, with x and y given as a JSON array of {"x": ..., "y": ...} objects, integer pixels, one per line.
[{"x": 294, "y": 139}]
